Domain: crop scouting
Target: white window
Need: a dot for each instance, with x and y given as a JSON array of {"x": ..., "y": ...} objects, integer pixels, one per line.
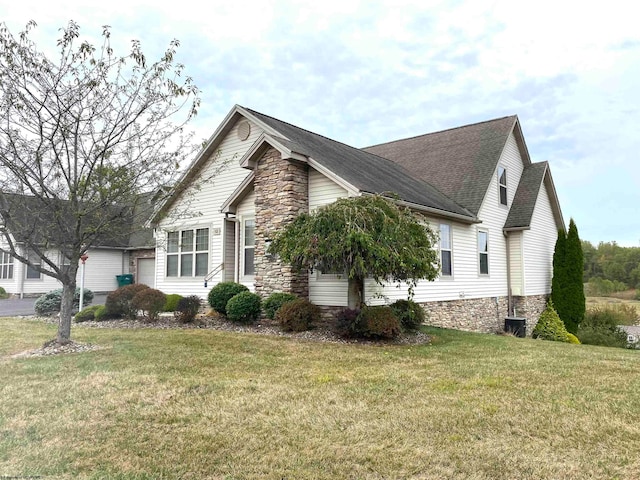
[
  {"x": 483, "y": 252},
  {"x": 446, "y": 264},
  {"x": 32, "y": 272},
  {"x": 188, "y": 253},
  {"x": 6, "y": 266},
  {"x": 249, "y": 246},
  {"x": 502, "y": 185}
]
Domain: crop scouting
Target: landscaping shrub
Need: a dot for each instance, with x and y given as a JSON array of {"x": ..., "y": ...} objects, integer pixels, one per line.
[
  {"x": 100, "y": 313},
  {"x": 571, "y": 338},
  {"x": 346, "y": 322},
  {"x": 410, "y": 314},
  {"x": 273, "y": 302},
  {"x": 549, "y": 326},
  {"x": 220, "y": 295},
  {"x": 187, "y": 309},
  {"x": 3, "y": 293},
  {"x": 298, "y": 315},
  {"x": 118, "y": 302},
  {"x": 87, "y": 314},
  {"x": 244, "y": 307},
  {"x": 171, "y": 303},
  {"x": 378, "y": 322},
  {"x": 150, "y": 301},
  {"x": 600, "y": 327},
  {"x": 50, "y": 302}
]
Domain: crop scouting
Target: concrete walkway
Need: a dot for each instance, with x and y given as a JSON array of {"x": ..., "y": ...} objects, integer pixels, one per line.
[{"x": 12, "y": 307}]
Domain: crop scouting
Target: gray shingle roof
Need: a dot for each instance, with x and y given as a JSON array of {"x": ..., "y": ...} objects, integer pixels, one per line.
[
  {"x": 366, "y": 171},
  {"x": 459, "y": 162},
  {"x": 524, "y": 200}
]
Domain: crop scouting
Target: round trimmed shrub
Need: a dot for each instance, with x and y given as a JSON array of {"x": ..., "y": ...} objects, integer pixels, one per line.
[
  {"x": 150, "y": 301},
  {"x": 87, "y": 314},
  {"x": 3, "y": 293},
  {"x": 378, "y": 322},
  {"x": 298, "y": 315},
  {"x": 187, "y": 309},
  {"x": 119, "y": 304},
  {"x": 220, "y": 295},
  {"x": 100, "y": 313},
  {"x": 347, "y": 322},
  {"x": 273, "y": 302},
  {"x": 549, "y": 326},
  {"x": 50, "y": 302},
  {"x": 410, "y": 314},
  {"x": 171, "y": 303},
  {"x": 571, "y": 338},
  {"x": 244, "y": 307}
]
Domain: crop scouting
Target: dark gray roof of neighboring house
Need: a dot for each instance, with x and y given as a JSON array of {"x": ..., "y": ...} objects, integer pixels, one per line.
[
  {"x": 364, "y": 170},
  {"x": 142, "y": 237},
  {"x": 524, "y": 200},
  {"x": 459, "y": 162}
]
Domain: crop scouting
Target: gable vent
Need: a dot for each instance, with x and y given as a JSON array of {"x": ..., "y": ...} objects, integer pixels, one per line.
[{"x": 244, "y": 129}]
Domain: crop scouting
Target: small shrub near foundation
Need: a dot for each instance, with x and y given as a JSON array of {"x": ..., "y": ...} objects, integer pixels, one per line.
[
  {"x": 119, "y": 304},
  {"x": 346, "y": 322},
  {"x": 87, "y": 314},
  {"x": 171, "y": 303},
  {"x": 298, "y": 315},
  {"x": 378, "y": 322},
  {"x": 187, "y": 309},
  {"x": 50, "y": 302},
  {"x": 273, "y": 302},
  {"x": 549, "y": 326},
  {"x": 244, "y": 307},
  {"x": 220, "y": 295},
  {"x": 410, "y": 314}
]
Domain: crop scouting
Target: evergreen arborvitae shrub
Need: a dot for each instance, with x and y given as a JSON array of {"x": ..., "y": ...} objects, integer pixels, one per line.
[
  {"x": 410, "y": 314},
  {"x": 50, "y": 302},
  {"x": 171, "y": 303},
  {"x": 273, "y": 302},
  {"x": 378, "y": 322},
  {"x": 119, "y": 304},
  {"x": 574, "y": 306},
  {"x": 150, "y": 301},
  {"x": 298, "y": 315},
  {"x": 549, "y": 326},
  {"x": 187, "y": 309},
  {"x": 220, "y": 295},
  {"x": 244, "y": 307}
]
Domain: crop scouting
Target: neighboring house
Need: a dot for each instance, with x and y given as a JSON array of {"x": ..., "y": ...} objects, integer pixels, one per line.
[
  {"x": 496, "y": 212},
  {"x": 116, "y": 255},
  {"x": 633, "y": 335}
]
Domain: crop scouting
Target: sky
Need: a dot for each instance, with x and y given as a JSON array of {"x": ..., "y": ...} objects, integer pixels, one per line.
[{"x": 368, "y": 72}]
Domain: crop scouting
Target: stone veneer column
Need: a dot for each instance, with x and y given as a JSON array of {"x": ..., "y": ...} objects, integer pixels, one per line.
[{"x": 281, "y": 192}]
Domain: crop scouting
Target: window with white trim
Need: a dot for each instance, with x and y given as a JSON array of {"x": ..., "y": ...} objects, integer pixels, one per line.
[
  {"x": 32, "y": 272},
  {"x": 483, "y": 252},
  {"x": 188, "y": 253},
  {"x": 502, "y": 185},
  {"x": 249, "y": 246},
  {"x": 6, "y": 266},
  {"x": 446, "y": 258}
]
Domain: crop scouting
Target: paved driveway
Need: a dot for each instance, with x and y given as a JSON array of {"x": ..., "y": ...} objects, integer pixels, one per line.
[{"x": 24, "y": 306}]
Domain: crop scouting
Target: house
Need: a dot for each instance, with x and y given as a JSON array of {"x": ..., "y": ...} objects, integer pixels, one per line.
[
  {"x": 497, "y": 214},
  {"x": 130, "y": 252},
  {"x": 633, "y": 335}
]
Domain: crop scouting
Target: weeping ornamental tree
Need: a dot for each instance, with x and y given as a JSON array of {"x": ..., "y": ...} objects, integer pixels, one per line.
[
  {"x": 567, "y": 288},
  {"x": 360, "y": 237},
  {"x": 82, "y": 136}
]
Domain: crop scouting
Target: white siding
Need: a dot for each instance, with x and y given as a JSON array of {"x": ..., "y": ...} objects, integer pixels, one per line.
[
  {"x": 516, "y": 263},
  {"x": 204, "y": 206},
  {"x": 325, "y": 289},
  {"x": 466, "y": 282},
  {"x": 101, "y": 269},
  {"x": 539, "y": 243}
]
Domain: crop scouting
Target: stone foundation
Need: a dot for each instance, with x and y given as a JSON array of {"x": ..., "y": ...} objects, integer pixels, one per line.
[{"x": 530, "y": 308}]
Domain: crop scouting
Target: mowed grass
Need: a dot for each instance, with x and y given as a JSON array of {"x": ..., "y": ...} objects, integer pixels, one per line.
[{"x": 210, "y": 404}]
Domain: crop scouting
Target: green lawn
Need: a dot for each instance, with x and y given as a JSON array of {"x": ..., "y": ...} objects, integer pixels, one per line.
[{"x": 208, "y": 404}]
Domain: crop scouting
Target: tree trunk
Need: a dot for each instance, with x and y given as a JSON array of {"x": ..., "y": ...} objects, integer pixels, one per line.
[
  {"x": 355, "y": 296},
  {"x": 66, "y": 312}
]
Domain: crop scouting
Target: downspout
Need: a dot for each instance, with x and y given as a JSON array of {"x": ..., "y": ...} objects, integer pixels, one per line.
[{"x": 509, "y": 297}]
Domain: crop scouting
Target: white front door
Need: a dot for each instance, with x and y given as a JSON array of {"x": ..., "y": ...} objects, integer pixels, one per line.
[{"x": 146, "y": 271}]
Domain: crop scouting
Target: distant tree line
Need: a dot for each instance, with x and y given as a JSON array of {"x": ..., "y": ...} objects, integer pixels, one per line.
[{"x": 610, "y": 268}]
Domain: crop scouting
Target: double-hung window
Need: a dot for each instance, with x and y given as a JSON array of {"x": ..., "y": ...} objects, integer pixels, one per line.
[
  {"x": 249, "y": 246},
  {"x": 188, "y": 253},
  {"x": 502, "y": 185},
  {"x": 446, "y": 264},
  {"x": 483, "y": 252},
  {"x": 32, "y": 272},
  {"x": 6, "y": 266}
]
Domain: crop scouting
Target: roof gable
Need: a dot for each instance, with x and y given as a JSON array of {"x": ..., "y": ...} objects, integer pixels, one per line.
[{"x": 459, "y": 162}]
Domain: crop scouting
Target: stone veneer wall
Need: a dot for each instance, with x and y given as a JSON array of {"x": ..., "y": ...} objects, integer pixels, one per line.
[
  {"x": 281, "y": 192},
  {"x": 530, "y": 308}
]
